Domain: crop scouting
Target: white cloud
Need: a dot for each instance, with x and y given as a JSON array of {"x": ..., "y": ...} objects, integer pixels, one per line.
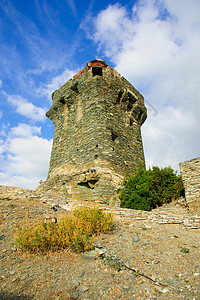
[
  {"x": 24, "y": 157},
  {"x": 26, "y": 109},
  {"x": 29, "y": 155},
  {"x": 156, "y": 47},
  {"x": 1, "y": 83},
  {"x": 56, "y": 82},
  {"x": 72, "y": 6},
  {"x": 170, "y": 137},
  {"x": 3, "y": 129},
  {"x": 1, "y": 114},
  {"x": 24, "y": 153},
  {"x": 25, "y": 130}
]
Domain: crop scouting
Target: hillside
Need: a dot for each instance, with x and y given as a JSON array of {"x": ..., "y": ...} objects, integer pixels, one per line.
[{"x": 161, "y": 245}]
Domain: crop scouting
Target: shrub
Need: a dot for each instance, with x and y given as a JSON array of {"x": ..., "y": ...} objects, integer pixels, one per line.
[
  {"x": 74, "y": 231},
  {"x": 147, "y": 189}
]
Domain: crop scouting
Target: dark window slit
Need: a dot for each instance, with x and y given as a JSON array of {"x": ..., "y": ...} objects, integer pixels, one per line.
[
  {"x": 97, "y": 71},
  {"x": 62, "y": 100},
  {"x": 119, "y": 96},
  {"x": 114, "y": 136}
]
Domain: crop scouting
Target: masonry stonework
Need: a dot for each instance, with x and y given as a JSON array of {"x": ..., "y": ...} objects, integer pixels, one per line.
[
  {"x": 97, "y": 138},
  {"x": 190, "y": 171}
]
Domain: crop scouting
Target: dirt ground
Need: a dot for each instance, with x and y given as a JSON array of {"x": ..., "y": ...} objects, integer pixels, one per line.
[{"x": 149, "y": 255}]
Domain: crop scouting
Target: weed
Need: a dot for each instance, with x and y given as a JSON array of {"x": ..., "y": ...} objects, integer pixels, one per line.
[
  {"x": 184, "y": 250},
  {"x": 73, "y": 231},
  {"x": 11, "y": 205},
  {"x": 186, "y": 281},
  {"x": 143, "y": 228},
  {"x": 115, "y": 263},
  {"x": 6, "y": 199},
  {"x": 158, "y": 292}
]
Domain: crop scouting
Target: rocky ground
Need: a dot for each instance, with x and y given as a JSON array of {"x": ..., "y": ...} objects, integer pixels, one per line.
[{"x": 162, "y": 246}]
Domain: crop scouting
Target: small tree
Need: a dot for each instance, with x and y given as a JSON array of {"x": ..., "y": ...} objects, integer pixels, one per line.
[{"x": 147, "y": 189}]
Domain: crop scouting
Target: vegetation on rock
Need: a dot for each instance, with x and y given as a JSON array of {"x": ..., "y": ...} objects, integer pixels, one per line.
[
  {"x": 74, "y": 231},
  {"x": 148, "y": 189}
]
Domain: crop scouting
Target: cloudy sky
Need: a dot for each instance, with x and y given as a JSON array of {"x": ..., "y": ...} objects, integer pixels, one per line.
[{"x": 155, "y": 44}]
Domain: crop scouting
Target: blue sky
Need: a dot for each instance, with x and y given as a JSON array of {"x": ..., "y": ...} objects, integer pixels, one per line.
[{"x": 155, "y": 44}]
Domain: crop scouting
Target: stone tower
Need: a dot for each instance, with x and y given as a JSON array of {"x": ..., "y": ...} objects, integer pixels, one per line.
[{"x": 97, "y": 139}]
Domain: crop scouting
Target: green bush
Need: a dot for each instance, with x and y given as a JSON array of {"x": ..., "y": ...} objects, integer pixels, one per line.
[
  {"x": 73, "y": 231},
  {"x": 147, "y": 189}
]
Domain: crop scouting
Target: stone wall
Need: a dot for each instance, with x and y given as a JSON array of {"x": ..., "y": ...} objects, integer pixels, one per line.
[
  {"x": 13, "y": 193},
  {"x": 190, "y": 171},
  {"x": 97, "y": 138}
]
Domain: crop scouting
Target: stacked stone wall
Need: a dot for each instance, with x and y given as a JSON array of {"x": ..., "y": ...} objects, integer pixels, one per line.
[{"x": 190, "y": 171}]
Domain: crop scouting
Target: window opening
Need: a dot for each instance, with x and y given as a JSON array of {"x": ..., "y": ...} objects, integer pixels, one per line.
[
  {"x": 97, "y": 71},
  {"x": 114, "y": 136},
  {"x": 132, "y": 98},
  {"x": 129, "y": 106},
  {"x": 84, "y": 184},
  {"x": 89, "y": 184},
  {"x": 119, "y": 96},
  {"x": 131, "y": 122},
  {"x": 62, "y": 100},
  {"x": 74, "y": 87}
]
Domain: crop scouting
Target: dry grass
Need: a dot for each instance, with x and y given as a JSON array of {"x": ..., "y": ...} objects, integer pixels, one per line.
[{"x": 74, "y": 231}]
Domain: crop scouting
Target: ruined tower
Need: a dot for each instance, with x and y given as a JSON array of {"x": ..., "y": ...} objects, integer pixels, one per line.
[{"x": 97, "y": 139}]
